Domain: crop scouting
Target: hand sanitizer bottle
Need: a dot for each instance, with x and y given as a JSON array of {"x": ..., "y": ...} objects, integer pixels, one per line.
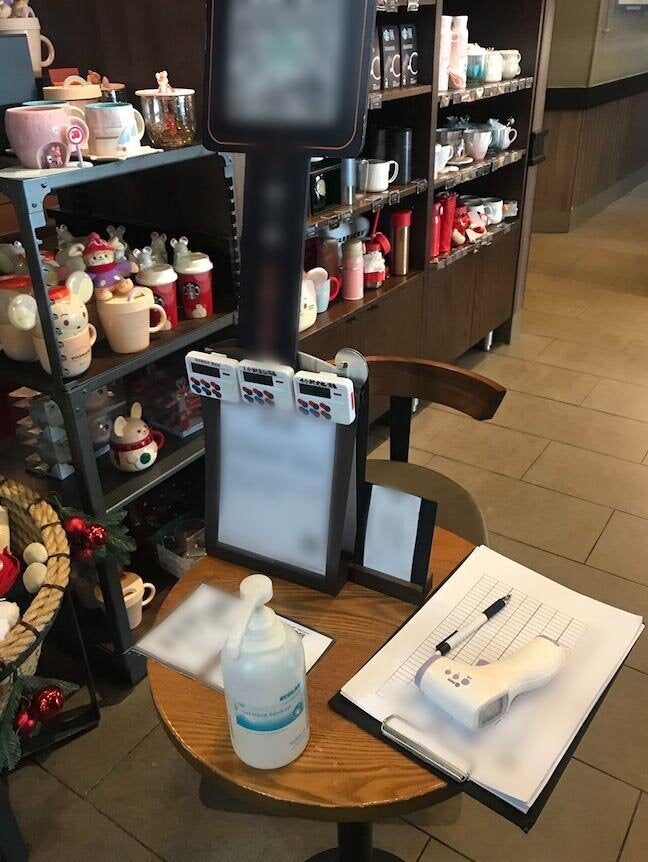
[{"x": 264, "y": 675}]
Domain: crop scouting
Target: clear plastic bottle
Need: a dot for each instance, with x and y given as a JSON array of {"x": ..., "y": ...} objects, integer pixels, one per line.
[{"x": 264, "y": 675}]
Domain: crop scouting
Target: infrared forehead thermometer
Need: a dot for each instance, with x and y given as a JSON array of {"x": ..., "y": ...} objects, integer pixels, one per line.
[{"x": 478, "y": 696}]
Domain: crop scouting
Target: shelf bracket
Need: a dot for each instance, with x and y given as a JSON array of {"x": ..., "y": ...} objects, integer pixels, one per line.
[{"x": 536, "y": 147}]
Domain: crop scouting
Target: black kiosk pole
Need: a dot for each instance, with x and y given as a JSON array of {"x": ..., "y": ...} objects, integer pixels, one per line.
[{"x": 272, "y": 253}]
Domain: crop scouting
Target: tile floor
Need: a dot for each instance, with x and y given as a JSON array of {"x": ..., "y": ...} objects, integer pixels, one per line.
[{"x": 562, "y": 475}]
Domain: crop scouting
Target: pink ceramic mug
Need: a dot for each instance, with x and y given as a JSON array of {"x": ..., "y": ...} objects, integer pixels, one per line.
[{"x": 39, "y": 135}]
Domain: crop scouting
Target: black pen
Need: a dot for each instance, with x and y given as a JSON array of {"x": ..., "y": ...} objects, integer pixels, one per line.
[{"x": 462, "y": 634}]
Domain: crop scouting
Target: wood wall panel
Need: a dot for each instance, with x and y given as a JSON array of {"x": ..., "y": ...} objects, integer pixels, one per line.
[
  {"x": 494, "y": 285},
  {"x": 448, "y": 310},
  {"x": 556, "y": 175},
  {"x": 588, "y": 152}
]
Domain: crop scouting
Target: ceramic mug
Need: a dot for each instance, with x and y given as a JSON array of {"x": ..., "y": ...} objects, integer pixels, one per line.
[
  {"x": 75, "y": 352},
  {"x": 125, "y": 320},
  {"x": 511, "y": 63},
  {"x": 137, "y": 595},
  {"x": 116, "y": 129},
  {"x": 477, "y": 142},
  {"x": 18, "y": 345},
  {"x": 442, "y": 155},
  {"x": 326, "y": 287},
  {"x": 452, "y": 137},
  {"x": 35, "y": 40},
  {"x": 494, "y": 67},
  {"x": 503, "y": 137},
  {"x": 374, "y": 175},
  {"x": 38, "y": 134},
  {"x": 494, "y": 209}
]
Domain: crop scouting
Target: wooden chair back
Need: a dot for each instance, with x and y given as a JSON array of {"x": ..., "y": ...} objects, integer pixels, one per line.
[{"x": 402, "y": 380}]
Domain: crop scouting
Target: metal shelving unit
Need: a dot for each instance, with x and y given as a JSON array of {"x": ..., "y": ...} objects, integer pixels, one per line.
[{"x": 96, "y": 486}]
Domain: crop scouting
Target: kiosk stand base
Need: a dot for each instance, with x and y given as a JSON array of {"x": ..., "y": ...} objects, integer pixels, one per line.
[{"x": 354, "y": 845}]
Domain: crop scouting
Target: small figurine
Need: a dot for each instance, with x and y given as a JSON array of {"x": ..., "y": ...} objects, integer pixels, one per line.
[
  {"x": 117, "y": 241},
  {"x": 162, "y": 79},
  {"x": 158, "y": 247},
  {"x": 64, "y": 235},
  {"x": 180, "y": 248},
  {"x": 143, "y": 257},
  {"x": 133, "y": 445},
  {"x": 5, "y": 8},
  {"x": 108, "y": 275},
  {"x": 22, "y": 9}
]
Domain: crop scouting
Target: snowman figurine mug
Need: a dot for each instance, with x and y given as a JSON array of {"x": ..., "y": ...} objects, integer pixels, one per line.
[{"x": 133, "y": 445}]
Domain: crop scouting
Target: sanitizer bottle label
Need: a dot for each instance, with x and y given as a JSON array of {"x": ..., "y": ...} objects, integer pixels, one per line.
[{"x": 264, "y": 719}]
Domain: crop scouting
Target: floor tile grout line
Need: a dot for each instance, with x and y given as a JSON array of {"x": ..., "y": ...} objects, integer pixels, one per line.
[
  {"x": 625, "y": 837},
  {"x": 85, "y": 795},
  {"x": 425, "y": 847},
  {"x": 102, "y": 813},
  {"x": 535, "y": 460},
  {"x": 570, "y": 560},
  {"x": 607, "y": 524},
  {"x": 438, "y": 840},
  {"x": 609, "y": 774}
]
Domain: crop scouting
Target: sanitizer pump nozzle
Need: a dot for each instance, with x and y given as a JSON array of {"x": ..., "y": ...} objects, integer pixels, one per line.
[
  {"x": 256, "y": 592},
  {"x": 264, "y": 676}
]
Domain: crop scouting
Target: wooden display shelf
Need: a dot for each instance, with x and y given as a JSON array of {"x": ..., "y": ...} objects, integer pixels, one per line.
[
  {"x": 491, "y": 235},
  {"x": 379, "y": 96},
  {"x": 342, "y": 309},
  {"x": 333, "y": 217},
  {"x": 107, "y": 366},
  {"x": 478, "y": 92},
  {"x": 478, "y": 169}
]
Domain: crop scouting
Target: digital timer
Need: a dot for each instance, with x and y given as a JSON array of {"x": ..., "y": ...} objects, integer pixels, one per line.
[
  {"x": 325, "y": 396},
  {"x": 213, "y": 375},
  {"x": 267, "y": 384}
]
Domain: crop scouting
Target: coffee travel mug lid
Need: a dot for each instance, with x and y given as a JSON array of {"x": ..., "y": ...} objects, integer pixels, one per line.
[
  {"x": 160, "y": 273},
  {"x": 194, "y": 263},
  {"x": 401, "y": 218}
]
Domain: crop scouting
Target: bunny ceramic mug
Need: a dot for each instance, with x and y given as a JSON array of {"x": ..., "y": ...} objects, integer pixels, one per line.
[
  {"x": 477, "y": 142},
  {"x": 116, "y": 129},
  {"x": 38, "y": 134},
  {"x": 327, "y": 287},
  {"x": 75, "y": 352},
  {"x": 375, "y": 174},
  {"x": 125, "y": 320},
  {"x": 511, "y": 63}
]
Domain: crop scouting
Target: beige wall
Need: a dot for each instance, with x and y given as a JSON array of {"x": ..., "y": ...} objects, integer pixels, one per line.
[
  {"x": 594, "y": 42},
  {"x": 572, "y": 47}
]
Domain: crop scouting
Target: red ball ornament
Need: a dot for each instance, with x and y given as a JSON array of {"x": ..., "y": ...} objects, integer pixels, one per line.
[
  {"x": 96, "y": 536},
  {"x": 82, "y": 555},
  {"x": 24, "y": 722},
  {"x": 47, "y": 702},
  {"x": 75, "y": 526}
]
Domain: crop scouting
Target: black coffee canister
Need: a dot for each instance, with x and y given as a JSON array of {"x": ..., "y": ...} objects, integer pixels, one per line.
[
  {"x": 399, "y": 148},
  {"x": 376, "y": 145}
]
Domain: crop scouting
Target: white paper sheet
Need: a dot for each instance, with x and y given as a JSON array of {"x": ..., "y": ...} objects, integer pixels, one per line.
[
  {"x": 515, "y": 757},
  {"x": 392, "y": 525},
  {"x": 191, "y": 638}
]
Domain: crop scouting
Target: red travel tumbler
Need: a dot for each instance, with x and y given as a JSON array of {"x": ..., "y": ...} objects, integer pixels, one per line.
[
  {"x": 448, "y": 202},
  {"x": 435, "y": 236}
]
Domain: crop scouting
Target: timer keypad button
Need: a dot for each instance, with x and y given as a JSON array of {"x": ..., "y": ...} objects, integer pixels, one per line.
[
  {"x": 257, "y": 392},
  {"x": 302, "y": 403},
  {"x": 327, "y": 416},
  {"x": 269, "y": 395},
  {"x": 325, "y": 407},
  {"x": 315, "y": 412},
  {"x": 304, "y": 410},
  {"x": 247, "y": 390},
  {"x": 249, "y": 398}
]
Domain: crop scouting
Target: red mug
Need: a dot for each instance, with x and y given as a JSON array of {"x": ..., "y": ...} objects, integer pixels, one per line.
[
  {"x": 448, "y": 203},
  {"x": 195, "y": 284},
  {"x": 162, "y": 280}
]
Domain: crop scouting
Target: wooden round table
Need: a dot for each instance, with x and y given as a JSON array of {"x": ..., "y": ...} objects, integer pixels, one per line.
[{"x": 345, "y": 775}]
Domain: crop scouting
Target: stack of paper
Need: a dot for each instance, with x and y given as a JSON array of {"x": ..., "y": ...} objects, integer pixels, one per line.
[{"x": 515, "y": 758}]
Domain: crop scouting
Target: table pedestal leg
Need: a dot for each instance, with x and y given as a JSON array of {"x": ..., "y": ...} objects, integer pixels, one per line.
[{"x": 354, "y": 845}]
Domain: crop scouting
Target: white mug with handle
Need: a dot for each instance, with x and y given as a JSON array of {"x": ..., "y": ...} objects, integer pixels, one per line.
[
  {"x": 511, "y": 63},
  {"x": 116, "y": 129},
  {"x": 375, "y": 174}
]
